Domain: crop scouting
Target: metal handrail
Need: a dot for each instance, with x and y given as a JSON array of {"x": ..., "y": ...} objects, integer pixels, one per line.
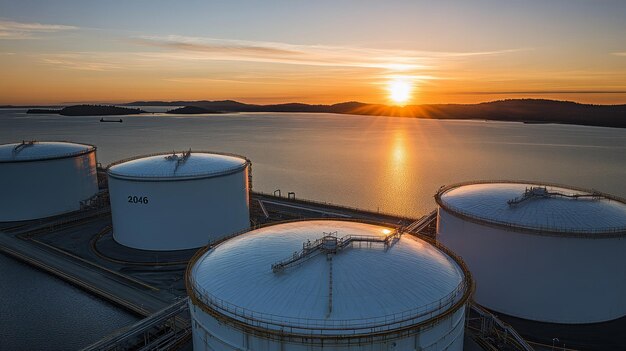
[
  {"x": 322, "y": 326},
  {"x": 346, "y": 207},
  {"x": 445, "y": 188},
  {"x": 511, "y": 332},
  {"x": 287, "y": 221},
  {"x": 23, "y": 145},
  {"x": 590, "y": 233},
  {"x": 421, "y": 222},
  {"x": 607, "y": 232},
  {"x": 325, "y": 326},
  {"x": 535, "y": 192},
  {"x": 112, "y": 341},
  {"x": 245, "y": 165},
  {"x": 91, "y": 148},
  {"x": 311, "y": 249}
]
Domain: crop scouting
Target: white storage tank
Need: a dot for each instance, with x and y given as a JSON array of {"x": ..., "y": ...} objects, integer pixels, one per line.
[
  {"x": 537, "y": 251},
  {"x": 327, "y": 285},
  {"x": 46, "y": 178},
  {"x": 178, "y": 201}
]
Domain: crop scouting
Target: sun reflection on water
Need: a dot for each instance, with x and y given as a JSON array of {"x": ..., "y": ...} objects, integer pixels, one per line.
[{"x": 398, "y": 169}]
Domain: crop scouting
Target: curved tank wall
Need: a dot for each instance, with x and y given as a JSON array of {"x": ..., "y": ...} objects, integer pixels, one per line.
[
  {"x": 549, "y": 259},
  {"x": 44, "y": 179},
  {"x": 211, "y": 334},
  {"x": 155, "y": 208},
  {"x": 406, "y": 295}
]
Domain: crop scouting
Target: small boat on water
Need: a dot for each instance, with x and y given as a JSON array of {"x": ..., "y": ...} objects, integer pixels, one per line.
[{"x": 111, "y": 120}]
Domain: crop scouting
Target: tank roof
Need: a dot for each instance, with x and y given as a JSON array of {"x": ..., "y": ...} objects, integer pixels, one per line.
[
  {"x": 536, "y": 206},
  {"x": 41, "y": 150},
  {"x": 175, "y": 166},
  {"x": 374, "y": 286}
]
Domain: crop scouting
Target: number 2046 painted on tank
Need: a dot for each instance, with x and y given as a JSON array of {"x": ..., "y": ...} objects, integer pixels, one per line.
[{"x": 138, "y": 200}]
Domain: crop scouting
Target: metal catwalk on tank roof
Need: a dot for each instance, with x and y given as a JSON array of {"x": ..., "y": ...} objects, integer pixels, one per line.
[
  {"x": 539, "y": 251},
  {"x": 178, "y": 200},
  {"x": 185, "y": 165},
  {"x": 40, "y": 179},
  {"x": 373, "y": 284},
  {"x": 41, "y": 150},
  {"x": 544, "y": 207}
]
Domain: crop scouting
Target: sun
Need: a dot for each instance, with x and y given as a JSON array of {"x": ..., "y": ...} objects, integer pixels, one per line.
[{"x": 399, "y": 91}]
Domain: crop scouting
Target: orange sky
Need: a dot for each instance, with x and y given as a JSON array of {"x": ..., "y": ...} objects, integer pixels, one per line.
[{"x": 51, "y": 56}]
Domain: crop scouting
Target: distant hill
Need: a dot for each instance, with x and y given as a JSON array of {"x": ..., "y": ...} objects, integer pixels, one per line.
[
  {"x": 517, "y": 110},
  {"x": 43, "y": 111},
  {"x": 190, "y": 110},
  {"x": 514, "y": 110},
  {"x": 91, "y": 110}
]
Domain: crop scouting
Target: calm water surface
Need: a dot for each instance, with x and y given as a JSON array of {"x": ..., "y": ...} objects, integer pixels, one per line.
[
  {"x": 40, "y": 312},
  {"x": 391, "y": 164}
]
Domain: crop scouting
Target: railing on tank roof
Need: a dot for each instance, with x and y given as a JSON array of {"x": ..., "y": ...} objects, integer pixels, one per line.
[
  {"x": 325, "y": 326},
  {"x": 445, "y": 188},
  {"x": 606, "y": 232},
  {"x": 24, "y": 144},
  {"x": 212, "y": 244},
  {"x": 542, "y": 192},
  {"x": 541, "y": 229},
  {"x": 21, "y": 145},
  {"x": 246, "y": 164},
  {"x": 424, "y": 313},
  {"x": 313, "y": 248}
]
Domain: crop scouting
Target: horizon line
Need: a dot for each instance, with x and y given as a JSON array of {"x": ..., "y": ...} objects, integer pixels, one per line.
[{"x": 65, "y": 103}]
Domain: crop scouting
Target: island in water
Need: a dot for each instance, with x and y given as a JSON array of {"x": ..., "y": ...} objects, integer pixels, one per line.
[
  {"x": 90, "y": 110},
  {"x": 191, "y": 110},
  {"x": 511, "y": 110}
]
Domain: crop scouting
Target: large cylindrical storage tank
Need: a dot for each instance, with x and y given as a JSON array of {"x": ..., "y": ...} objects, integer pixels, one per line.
[
  {"x": 178, "y": 201},
  {"x": 537, "y": 251},
  {"x": 327, "y": 285},
  {"x": 43, "y": 179}
]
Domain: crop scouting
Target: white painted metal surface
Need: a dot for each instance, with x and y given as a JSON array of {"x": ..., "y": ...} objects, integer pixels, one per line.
[
  {"x": 562, "y": 276},
  {"x": 175, "y": 205},
  {"x": 43, "y": 179},
  {"x": 41, "y": 150},
  {"x": 489, "y": 202},
  {"x": 375, "y": 289},
  {"x": 198, "y": 165}
]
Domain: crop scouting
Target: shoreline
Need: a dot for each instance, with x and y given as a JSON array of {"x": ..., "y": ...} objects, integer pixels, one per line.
[{"x": 478, "y": 119}]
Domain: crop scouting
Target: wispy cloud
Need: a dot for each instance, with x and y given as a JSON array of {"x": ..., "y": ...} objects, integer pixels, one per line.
[
  {"x": 184, "y": 60},
  {"x": 83, "y": 61},
  {"x": 202, "y": 80},
  {"x": 619, "y": 53},
  {"x": 23, "y": 30},
  {"x": 195, "y": 48}
]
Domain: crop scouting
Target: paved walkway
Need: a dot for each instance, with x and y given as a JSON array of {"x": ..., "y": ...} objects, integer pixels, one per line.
[{"x": 123, "y": 290}]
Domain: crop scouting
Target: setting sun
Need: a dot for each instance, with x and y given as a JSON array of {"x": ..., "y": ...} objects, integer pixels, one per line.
[{"x": 399, "y": 91}]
